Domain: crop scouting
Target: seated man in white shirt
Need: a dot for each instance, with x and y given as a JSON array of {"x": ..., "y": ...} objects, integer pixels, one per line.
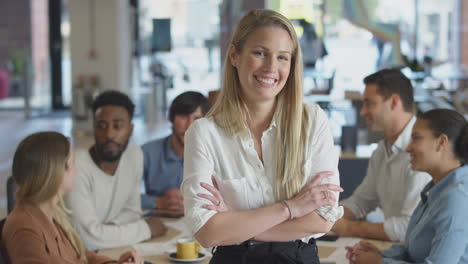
[
  {"x": 390, "y": 183},
  {"x": 105, "y": 202}
]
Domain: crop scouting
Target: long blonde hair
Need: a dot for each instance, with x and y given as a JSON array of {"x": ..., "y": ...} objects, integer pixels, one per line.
[
  {"x": 231, "y": 113},
  {"x": 38, "y": 169}
]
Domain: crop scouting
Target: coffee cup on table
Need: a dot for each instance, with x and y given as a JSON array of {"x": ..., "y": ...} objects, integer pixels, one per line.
[{"x": 187, "y": 248}]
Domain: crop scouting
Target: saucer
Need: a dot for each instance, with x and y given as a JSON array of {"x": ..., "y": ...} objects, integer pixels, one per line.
[{"x": 173, "y": 257}]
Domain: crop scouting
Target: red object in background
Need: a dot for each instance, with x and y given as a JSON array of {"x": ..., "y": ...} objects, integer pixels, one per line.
[
  {"x": 92, "y": 54},
  {"x": 4, "y": 84},
  {"x": 94, "y": 80}
]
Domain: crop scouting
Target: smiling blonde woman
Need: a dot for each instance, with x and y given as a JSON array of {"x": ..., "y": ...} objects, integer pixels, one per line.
[{"x": 269, "y": 155}]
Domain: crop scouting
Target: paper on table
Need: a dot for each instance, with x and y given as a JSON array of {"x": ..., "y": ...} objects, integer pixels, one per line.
[
  {"x": 176, "y": 230},
  {"x": 155, "y": 248}
]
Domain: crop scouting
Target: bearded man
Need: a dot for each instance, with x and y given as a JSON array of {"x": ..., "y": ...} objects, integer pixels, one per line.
[{"x": 105, "y": 201}]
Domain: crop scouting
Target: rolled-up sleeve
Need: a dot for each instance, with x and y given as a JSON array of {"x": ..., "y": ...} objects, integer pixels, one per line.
[
  {"x": 198, "y": 167},
  {"x": 322, "y": 155},
  {"x": 395, "y": 227}
]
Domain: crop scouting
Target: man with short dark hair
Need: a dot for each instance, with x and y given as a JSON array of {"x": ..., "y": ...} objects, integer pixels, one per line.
[
  {"x": 164, "y": 158},
  {"x": 390, "y": 183},
  {"x": 105, "y": 201}
]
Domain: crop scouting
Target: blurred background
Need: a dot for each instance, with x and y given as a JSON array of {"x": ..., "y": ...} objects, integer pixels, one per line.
[{"x": 56, "y": 55}]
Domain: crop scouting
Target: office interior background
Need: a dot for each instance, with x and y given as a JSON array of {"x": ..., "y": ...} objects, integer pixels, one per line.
[{"x": 56, "y": 55}]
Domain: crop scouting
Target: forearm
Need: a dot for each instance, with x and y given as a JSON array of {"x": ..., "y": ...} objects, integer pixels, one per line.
[
  {"x": 127, "y": 216},
  {"x": 231, "y": 228},
  {"x": 130, "y": 213},
  {"x": 297, "y": 228},
  {"x": 367, "y": 230},
  {"x": 348, "y": 214}
]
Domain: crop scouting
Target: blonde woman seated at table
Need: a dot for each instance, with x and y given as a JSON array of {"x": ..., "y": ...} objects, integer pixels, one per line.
[
  {"x": 437, "y": 231},
  {"x": 267, "y": 151},
  {"x": 38, "y": 229}
]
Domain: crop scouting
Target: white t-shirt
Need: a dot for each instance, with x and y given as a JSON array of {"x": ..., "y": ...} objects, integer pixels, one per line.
[
  {"x": 106, "y": 209},
  {"x": 391, "y": 184},
  {"x": 243, "y": 180}
]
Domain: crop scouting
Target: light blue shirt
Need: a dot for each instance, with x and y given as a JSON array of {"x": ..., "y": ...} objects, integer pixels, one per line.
[
  {"x": 163, "y": 170},
  {"x": 438, "y": 230}
]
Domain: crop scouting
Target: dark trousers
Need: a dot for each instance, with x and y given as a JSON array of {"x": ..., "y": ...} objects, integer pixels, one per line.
[{"x": 296, "y": 252}]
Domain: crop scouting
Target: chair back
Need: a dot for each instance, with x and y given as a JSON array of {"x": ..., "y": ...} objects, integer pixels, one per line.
[
  {"x": 11, "y": 198},
  {"x": 2, "y": 257},
  {"x": 352, "y": 172}
]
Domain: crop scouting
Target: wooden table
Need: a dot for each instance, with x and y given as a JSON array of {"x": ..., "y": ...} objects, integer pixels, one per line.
[
  {"x": 335, "y": 252},
  {"x": 156, "y": 250}
]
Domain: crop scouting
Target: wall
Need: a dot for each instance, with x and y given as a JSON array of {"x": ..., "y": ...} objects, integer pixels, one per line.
[
  {"x": 200, "y": 18},
  {"x": 441, "y": 10},
  {"x": 104, "y": 30},
  {"x": 40, "y": 49},
  {"x": 100, "y": 45},
  {"x": 15, "y": 27},
  {"x": 176, "y": 10},
  {"x": 24, "y": 39},
  {"x": 464, "y": 34}
]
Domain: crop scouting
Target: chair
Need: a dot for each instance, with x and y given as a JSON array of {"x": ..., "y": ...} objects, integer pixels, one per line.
[
  {"x": 11, "y": 189},
  {"x": 212, "y": 96},
  {"x": 2, "y": 257},
  {"x": 352, "y": 172}
]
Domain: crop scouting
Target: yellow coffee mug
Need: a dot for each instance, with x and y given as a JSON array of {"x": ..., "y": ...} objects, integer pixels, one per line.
[{"x": 187, "y": 248}]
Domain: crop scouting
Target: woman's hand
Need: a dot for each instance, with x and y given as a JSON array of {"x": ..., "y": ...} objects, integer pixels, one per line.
[
  {"x": 216, "y": 199},
  {"x": 313, "y": 195},
  {"x": 363, "y": 252},
  {"x": 130, "y": 257},
  {"x": 367, "y": 257},
  {"x": 351, "y": 251}
]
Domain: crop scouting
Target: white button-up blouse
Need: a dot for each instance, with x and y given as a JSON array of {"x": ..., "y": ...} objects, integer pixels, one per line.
[{"x": 243, "y": 180}]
